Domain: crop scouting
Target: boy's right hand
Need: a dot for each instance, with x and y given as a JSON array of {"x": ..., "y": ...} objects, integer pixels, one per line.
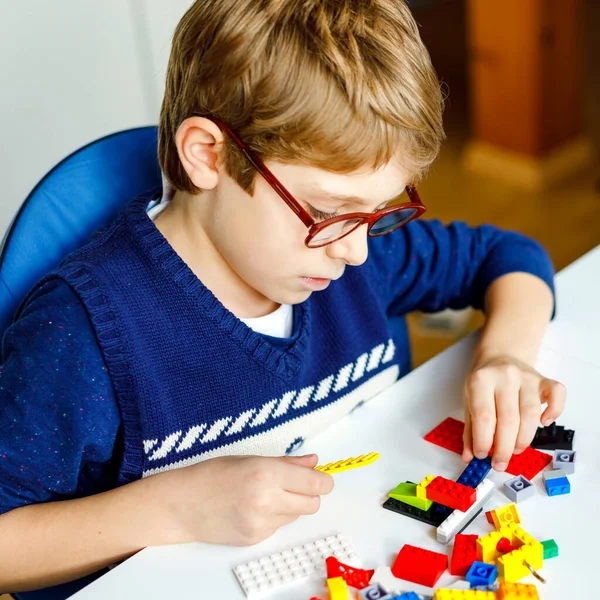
[{"x": 242, "y": 500}]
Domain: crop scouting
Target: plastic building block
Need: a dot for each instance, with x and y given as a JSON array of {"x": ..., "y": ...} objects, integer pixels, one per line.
[
  {"x": 556, "y": 483},
  {"x": 448, "y": 434},
  {"x": 475, "y": 472},
  {"x": 519, "y": 489},
  {"x": 505, "y": 515},
  {"x": 357, "y": 578},
  {"x": 553, "y": 437},
  {"x": 482, "y": 574},
  {"x": 419, "y": 566},
  {"x": 529, "y": 463},
  {"x": 338, "y": 589},
  {"x": 435, "y": 516},
  {"x": 273, "y": 572},
  {"x": 550, "y": 549},
  {"x": 488, "y": 516},
  {"x": 517, "y": 591},
  {"x": 407, "y": 492},
  {"x": 558, "y": 487},
  {"x": 565, "y": 460},
  {"x": 385, "y": 578},
  {"x": 458, "y": 520},
  {"x": 504, "y": 546},
  {"x": 421, "y": 489},
  {"x": 555, "y": 474},
  {"x": 513, "y": 566},
  {"x": 445, "y": 594},
  {"x": 374, "y": 592},
  {"x": 452, "y": 494},
  {"x": 487, "y": 547},
  {"x": 408, "y": 596},
  {"x": 464, "y": 554},
  {"x": 349, "y": 463}
]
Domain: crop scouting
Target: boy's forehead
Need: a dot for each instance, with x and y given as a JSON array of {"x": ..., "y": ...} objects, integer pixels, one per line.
[{"x": 384, "y": 183}]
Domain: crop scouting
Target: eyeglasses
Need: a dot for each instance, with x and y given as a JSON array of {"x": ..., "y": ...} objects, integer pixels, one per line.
[{"x": 325, "y": 232}]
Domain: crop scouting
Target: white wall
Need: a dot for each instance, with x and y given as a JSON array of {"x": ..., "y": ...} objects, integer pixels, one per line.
[{"x": 72, "y": 71}]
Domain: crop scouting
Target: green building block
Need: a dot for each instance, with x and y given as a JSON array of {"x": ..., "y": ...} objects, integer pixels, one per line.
[
  {"x": 407, "y": 492},
  {"x": 550, "y": 549}
]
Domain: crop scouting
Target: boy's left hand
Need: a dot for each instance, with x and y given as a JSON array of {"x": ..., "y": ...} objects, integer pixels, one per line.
[{"x": 502, "y": 408}]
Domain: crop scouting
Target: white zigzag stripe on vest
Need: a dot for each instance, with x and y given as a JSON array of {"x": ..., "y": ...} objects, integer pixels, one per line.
[
  {"x": 291, "y": 400},
  {"x": 277, "y": 440}
]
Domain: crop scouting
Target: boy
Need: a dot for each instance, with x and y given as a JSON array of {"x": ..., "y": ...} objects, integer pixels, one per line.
[{"x": 156, "y": 382}]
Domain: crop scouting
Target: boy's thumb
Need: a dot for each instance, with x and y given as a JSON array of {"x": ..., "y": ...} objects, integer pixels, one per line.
[{"x": 307, "y": 460}]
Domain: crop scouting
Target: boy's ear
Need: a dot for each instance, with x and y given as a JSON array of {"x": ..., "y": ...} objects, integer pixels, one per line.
[{"x": 199, "y": 144}]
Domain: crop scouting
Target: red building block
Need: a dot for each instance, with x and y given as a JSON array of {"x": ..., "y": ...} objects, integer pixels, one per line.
[
  {"x": 357, "y": 578},
  {"x": 529, "y": 463},
  {"x": 448, "y": 434},
  {"x": 452, "y": 494},
  {"x": 419, "y": 566},
  {"x": 488, "y": 516},
  {"x": 464, "y": 554}
]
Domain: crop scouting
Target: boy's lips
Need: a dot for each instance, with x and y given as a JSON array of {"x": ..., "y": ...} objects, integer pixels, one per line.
[{"x": 316, "y": 283}]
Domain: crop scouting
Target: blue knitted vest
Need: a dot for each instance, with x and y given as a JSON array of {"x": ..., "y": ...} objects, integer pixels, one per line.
[{"x": 194, "y": 382}]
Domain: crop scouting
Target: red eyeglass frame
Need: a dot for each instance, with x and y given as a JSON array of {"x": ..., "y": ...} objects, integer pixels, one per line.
[{"x": 313, "y": 226}]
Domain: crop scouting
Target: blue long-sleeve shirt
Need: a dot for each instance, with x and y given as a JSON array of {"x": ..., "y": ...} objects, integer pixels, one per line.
[{"x": 61, "y": 424}]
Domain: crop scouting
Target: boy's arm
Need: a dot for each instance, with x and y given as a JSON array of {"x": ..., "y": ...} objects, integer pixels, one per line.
[
  {"x": 47, "y": 544},
  {"x": 234, "y": 500},
  {"x": 503, "y": 392},
  {"x": 429, "y": 267}
]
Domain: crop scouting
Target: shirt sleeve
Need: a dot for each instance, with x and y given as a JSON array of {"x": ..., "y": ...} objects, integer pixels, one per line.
[
  {"x": 59, "y": 419},
  {"x": 429, "y": 266}
]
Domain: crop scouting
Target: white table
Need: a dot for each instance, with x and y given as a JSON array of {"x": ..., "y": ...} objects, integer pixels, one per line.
[{"x": 394, "y": 424}]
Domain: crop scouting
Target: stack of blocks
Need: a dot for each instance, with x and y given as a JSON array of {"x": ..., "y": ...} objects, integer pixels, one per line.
[{"x": 556, "y": 483}]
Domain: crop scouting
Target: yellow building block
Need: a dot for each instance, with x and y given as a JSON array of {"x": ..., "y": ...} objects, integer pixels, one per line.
[
  {"x": 505, "y": 515},
  {"x": 421, "y": 493},
  {"x": 517, "y": 591},
  {"x": 338, "y": 589},
  {"x": 486, "y": 546},
  {"x": 511, "y": 566},
  {"x": 441, "y": 594},
  {"x": 349, "y": 463}
]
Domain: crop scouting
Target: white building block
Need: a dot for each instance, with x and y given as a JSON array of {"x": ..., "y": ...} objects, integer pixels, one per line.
[
  {"x": 458, "y": 519},
  {"x": 271, "y": 573}
]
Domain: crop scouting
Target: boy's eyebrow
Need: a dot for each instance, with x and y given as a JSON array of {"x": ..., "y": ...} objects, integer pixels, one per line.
[{"x": 314, "y": 188}]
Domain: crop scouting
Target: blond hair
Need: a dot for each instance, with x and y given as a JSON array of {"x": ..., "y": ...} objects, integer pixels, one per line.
[{"x": 336, "y": 84}]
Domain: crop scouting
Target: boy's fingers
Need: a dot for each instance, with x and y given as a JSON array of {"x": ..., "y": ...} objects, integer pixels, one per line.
[
  {"x": 480, "y": 401},
  {"x": 467, "y": 454},
  {"x": 529, "y": 408},
  {"x": 302, "y": 480},
  {"x": 555, "y": 395},
  {"x": 307, "y": 460},
  {"x": 299, "y": 504},
  {"x": 507, "y": 407}
]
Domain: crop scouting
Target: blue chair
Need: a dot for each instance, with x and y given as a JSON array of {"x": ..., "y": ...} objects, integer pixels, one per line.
[{"x": 82, "y": 193}]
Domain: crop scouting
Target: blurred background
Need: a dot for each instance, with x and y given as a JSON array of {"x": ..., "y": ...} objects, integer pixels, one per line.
[{"x": 522, "y": 79}]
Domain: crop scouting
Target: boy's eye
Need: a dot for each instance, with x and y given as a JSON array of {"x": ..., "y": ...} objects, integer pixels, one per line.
[{"x": 315, "y": 213}]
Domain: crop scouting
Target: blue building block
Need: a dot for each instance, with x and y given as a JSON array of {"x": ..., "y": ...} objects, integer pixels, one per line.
[
  {"x": 475, "y": 472},
  {"x": 481, "y": 573},
  {"x": 407, "y": 596},
  {"x": 558, "y": 487},
  {"x": 556, "y": 483}
]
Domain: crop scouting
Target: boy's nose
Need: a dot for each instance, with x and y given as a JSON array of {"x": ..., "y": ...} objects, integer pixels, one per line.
[{"x": 352, "y": 249}]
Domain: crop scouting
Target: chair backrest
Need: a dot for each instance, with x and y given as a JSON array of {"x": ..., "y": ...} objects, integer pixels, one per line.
[{"x": 84, "y": 192}]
